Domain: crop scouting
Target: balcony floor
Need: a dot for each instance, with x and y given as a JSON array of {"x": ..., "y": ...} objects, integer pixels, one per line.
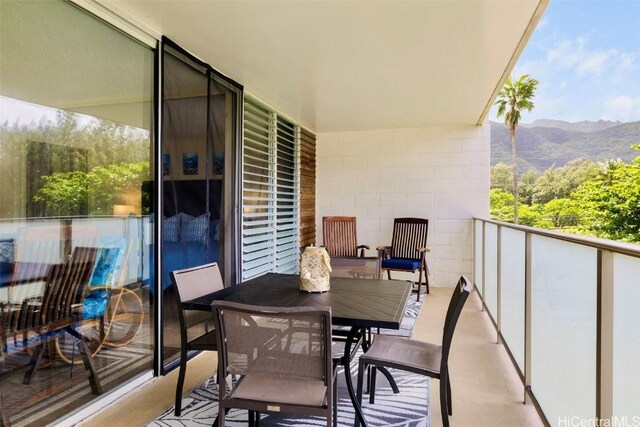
[{"x": 486, "y": 389}]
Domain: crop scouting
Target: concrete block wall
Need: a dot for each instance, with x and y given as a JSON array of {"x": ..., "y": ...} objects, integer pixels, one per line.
[{"x": 439, "y": 173}]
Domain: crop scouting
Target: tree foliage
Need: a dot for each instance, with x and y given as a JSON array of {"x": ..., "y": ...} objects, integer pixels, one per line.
[
  {"x": 59, "y": 160},
  {"x": 92, "y": 193},
  {"x": 611, "y": 202},
  {"x": 584, "y": 197}
]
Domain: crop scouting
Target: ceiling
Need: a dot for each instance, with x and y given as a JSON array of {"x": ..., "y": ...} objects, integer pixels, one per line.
[{"x": 354, "y": 65}]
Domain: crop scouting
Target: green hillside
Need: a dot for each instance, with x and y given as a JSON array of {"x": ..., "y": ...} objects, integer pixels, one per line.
[{"x": 540, "y": 147}]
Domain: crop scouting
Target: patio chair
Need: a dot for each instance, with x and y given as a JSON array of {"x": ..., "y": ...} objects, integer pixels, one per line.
[
  {"x": 408, "y": 249},
  {"x": 55, "y": 311},
  {"x": 188, "y": 284},
  {"x": 112, "y": 314},
  {"x": 339, "y": 236},
  {"x": 417, "y": 356},
  {"x": 289, "y": 370}
]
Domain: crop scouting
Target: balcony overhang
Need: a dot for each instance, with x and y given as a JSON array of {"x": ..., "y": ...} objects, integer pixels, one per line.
[{"x": 342, "y": 65}]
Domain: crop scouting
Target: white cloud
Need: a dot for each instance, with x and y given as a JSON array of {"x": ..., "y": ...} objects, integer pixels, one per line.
[
  {"x": 543, "y": 23},
  {"x": 623, "y": 107},
  {"x": 575, "y": 54}
]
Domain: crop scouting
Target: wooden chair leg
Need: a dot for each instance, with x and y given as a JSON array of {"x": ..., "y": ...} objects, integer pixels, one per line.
[
  {"x": 389, "y": 274},
  {"x": 4, "y": 416},
  {"x": 87, "y": 360},
  {"x": 426, "y": 275},
  {"x": 33, "y": 364},
  {"x": 419, "y": 284}
]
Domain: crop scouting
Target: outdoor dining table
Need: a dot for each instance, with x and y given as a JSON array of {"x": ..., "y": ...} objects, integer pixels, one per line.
[{"x": 356, "y": 303}]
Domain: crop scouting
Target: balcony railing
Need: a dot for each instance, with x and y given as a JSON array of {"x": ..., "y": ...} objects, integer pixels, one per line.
[{"x": 567, "y": 308}]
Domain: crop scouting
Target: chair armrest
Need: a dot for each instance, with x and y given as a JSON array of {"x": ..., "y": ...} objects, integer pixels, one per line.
[
  {"x": 424, "y": 249},
  {"x": 383, "y": 251},
  {"x": 362, "y": 248}
]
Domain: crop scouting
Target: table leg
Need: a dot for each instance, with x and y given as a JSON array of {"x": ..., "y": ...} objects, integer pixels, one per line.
[{"x": 353, "y": 333}]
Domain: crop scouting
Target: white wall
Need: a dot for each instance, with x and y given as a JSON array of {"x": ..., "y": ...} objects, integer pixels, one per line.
[{"x": 437, "y": 173}]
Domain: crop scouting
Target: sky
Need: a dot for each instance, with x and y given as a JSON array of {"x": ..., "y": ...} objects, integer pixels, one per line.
[{"x": 586, "y": 57}]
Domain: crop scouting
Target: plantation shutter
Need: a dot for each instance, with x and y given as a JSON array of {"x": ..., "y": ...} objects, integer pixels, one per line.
[
  {"x": 287, "y": 199},
  {"x": 270, "y": 192},
  {"x": 258, "y": 190}
]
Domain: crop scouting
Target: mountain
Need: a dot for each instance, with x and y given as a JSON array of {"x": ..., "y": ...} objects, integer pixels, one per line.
[
  {"x": 540, "y": 147},
  {"x": 583, "y": 126}
]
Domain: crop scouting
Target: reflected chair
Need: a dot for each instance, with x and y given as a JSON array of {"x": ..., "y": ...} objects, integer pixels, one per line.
[
  {"x": 288, "y": 370},
  {"x": 191, "y": 283},
  {"x": 56, "y": 310},
  {"x": 112, "y": 314},
  {"x": 340, "y": 238},
  {"x": 356, "y": 267},
  {"x": 419, "y": 357},
  {"x": 408, "y": 249}
]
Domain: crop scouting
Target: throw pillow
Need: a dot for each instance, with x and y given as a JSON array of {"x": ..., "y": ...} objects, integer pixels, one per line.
[
  {"x": 7, "y": 255},
  {"x": 171, "y": 229},
  {"x": 109, "y": 262},
  {"x": 194, "y": 229}
]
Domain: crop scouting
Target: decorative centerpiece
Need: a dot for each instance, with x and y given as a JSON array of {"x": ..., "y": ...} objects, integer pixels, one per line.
[{"x": 315, "y": 267}]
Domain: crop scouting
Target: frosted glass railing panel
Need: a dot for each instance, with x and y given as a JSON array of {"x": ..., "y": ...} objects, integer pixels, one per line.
[
  {"x": 477, "y": 267},
  {"x": 512, "y": 275},
  {"x": 626, "y": 337},
  {"x": 491, "y": 269},
  {"x": 563, "y": 328}
]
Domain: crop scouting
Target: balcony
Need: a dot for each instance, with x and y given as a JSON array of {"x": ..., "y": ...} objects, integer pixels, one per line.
[
  {"x": 564, "y": 307},
  {"x": 553, "y": 316}
]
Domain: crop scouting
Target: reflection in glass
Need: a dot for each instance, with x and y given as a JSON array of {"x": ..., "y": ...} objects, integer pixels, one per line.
[
  {"x": 198, "y": 130},
  {"x": 75, "y": 149}
]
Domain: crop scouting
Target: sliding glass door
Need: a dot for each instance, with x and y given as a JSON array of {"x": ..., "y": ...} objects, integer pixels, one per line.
[
  {"x": 199, "y": 134},
  {"x": 76, "y": 150}
]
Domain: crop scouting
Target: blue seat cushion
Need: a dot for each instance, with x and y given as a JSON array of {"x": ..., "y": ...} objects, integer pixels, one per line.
[
  {"x": 401, "y": 264},
  {"x": 95, "y": 304}
]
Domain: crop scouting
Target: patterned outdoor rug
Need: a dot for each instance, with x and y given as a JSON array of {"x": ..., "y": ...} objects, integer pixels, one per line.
[{"x": 408, "y": 408}]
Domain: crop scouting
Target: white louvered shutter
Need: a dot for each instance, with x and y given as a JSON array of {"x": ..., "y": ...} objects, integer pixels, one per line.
[
  {"x": 258, "y": 191},
  {"x": 270, "y": 192},
  {"x": 287, "y": 197}
]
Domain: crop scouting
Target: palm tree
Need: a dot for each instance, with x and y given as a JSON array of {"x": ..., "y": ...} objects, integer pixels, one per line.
[{"x": 514, "y": 97}]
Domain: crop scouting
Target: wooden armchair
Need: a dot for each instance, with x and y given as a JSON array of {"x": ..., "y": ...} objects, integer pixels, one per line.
[
  {"x": 340, "y": 237},
  {"x": 54, "y": 311},
  {"x": 408, "y": 249}
]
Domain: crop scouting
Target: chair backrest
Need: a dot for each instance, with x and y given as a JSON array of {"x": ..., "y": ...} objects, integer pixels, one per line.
[
  {"x": 409, "y": 234},
  {"x": 356, "y": 267},
  {"x": 339, "y": 235},
  {"x": 458, "y": 298},
  {"x": 62, "y": 294},
  {"x": 190, "y": 283},
  {"x": 281, "y": 342},
  {"x": 194, "y": 282}
]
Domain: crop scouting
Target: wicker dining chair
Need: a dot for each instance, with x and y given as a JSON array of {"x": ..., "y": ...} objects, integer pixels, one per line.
[
  {"x": 408, "y": 249},
  {"x": 419, "y": 357},
  {"x": 289, "y": 370},
  {"x": 192, "y": 283},
  {"x": 340, "y": 238}
]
